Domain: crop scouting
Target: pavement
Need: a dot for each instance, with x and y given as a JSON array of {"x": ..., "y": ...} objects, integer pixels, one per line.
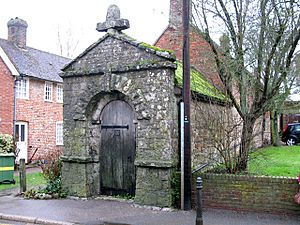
[
  {"x": 104, "y": 211},
  {"x": 108, "y": 211}
]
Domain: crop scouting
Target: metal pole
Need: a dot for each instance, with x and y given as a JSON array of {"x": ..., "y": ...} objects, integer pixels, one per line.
[
  {"x": 182, "y": 155},
  {"x": 199, "y": 219},
  {"x": 186, "y": 100}
]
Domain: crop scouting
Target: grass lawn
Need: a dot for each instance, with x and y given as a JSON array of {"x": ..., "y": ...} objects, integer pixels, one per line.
[
  {"x": 275, "y": 161},
  {"x": 32, "y": 179}
]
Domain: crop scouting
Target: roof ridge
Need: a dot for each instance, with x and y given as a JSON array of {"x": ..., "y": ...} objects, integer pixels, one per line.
[
  {"x": 33, "y": 62},
  {"x": 28, "y": 47},
  {"x": 167, "y": 54}
]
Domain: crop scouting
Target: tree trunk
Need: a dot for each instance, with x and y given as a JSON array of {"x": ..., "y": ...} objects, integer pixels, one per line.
[
  {"x": 274, "y": 128},
  {"x": 263, "y": 129},
  {"x": 246, "y": 139}
]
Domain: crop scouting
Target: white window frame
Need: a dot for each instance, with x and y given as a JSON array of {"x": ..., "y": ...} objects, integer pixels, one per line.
[
  {"x": 59, "y": 131},
  {"x": 59, "y": 93},
  {"x": 22, "y": 88},
  {"x": 48, "y": 91}
]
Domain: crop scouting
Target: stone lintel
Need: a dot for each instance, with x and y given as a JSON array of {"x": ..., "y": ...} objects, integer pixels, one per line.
[
  {"x": 78, "y": 73},
  {"x": 121, "y": 69},
  {"x": 154, "y": 163},
  {"x": 78, "y": 159}
]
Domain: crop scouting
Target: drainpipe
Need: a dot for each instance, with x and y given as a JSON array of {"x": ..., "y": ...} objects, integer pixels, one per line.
[
  {"x": 17, "y": 78},
  {"x": 15, "y": 108},
  {"x": 182, "y": 154}
]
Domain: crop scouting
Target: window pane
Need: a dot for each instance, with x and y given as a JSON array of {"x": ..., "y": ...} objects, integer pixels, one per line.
[
  {"x": 59, "y": 93},
  {"x": 22, "y": 132},
  {"x": 22, "y": 88},
  {"x": 48, "y": 91},
  {"x": 59, "y": 133},
  {"x": 17, "y": 133}
]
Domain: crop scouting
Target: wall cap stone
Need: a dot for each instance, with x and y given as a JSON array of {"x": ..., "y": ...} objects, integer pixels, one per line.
[
  {"x": 270, "y": 179},
  {"x": 120, "y": 69},
  {"x": 78, "y": 159},
  {"x": 154, "y": 163}
]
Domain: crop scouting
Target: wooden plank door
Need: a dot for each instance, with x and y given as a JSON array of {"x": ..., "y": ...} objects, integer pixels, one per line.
[{"x": 117, "y": 149}]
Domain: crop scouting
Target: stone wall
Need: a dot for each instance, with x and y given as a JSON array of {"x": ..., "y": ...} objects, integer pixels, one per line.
[
  {"x": 207, "y": 121},
  {"x": 249, "y": 193},
  {"x": 216, "y": 128}
]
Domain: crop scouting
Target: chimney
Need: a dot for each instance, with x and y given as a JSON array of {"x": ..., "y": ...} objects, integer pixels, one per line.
[
  {"x": 17, "y": 29},
  {"x": 175, "y": 16}
]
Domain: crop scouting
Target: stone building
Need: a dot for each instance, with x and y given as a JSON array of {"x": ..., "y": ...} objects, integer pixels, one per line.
[
  {"x": 119, "y": 118},
  {"x": 121, "y": 102}
]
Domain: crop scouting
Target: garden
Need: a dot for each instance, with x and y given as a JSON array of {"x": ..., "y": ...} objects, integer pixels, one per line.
[
  {"x": 45, "y": 184},
  {"x": 275, "y": 161}
]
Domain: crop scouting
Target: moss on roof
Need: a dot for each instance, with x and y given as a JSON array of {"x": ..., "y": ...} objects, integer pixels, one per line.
[
  {"x": 156, "y": 48},
  {"x": 198, "y": 83}
]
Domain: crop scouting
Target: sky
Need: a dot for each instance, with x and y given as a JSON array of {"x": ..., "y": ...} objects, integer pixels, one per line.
[
  {"x": 74, "y": 21},
  {"x": 51, "y": 22}
]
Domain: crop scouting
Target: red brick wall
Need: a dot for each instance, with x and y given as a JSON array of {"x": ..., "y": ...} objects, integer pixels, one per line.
[
  {"x": 6, "y": 99},
  {"x": 249, "y": 193},
  {"x": 201, "y": 54},
  {"x": 41, "y": 117}
]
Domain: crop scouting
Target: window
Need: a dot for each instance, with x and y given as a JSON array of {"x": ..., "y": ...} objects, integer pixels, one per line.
[
  {"x": 59, "y": 93},
  {"x": 22, "y": 88},
  {"x": 297, "y": 128},
  {"x": 59, "y": 133},
  {"x": 48, "y": 91}
]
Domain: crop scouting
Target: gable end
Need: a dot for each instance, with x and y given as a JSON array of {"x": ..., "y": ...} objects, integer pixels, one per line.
[{"x": 106, "y": 54}]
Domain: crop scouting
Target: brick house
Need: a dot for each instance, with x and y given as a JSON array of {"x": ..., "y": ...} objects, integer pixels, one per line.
[
  {"x": 202, "y": 59},
  {"x": 201, "y": 55},
  {"x": 31, "y": 94}
]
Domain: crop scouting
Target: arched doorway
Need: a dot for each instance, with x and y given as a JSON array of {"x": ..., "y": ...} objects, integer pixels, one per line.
[{"x": 117, "y": 153}]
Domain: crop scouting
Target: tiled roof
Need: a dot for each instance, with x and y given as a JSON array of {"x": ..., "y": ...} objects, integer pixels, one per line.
[{"x": 35, "y": 63}]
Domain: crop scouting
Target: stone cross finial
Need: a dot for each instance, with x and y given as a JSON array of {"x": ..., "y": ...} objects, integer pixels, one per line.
[{"x": 113, "y": 21}]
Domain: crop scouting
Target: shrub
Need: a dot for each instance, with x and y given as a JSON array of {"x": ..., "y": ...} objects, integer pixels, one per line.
[
  {"x": 52, "y": 173},
  {"x": 51, "y": 166},
  {"x": 7, "y": 144},
  {"x": 175, "y": 189}
]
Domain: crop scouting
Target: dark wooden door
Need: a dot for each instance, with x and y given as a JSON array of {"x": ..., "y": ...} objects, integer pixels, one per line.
[{"x": 117, "y": 149}]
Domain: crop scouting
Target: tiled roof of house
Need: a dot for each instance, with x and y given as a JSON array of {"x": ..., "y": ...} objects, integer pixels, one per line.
[{"x": 35, "y": 63}]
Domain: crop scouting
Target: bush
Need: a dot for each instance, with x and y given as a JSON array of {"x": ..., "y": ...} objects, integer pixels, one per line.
[
  {"x": 7, "y": 144},
  {"x": 175, "y": 189},
  {"x": 52, "y": 174}
]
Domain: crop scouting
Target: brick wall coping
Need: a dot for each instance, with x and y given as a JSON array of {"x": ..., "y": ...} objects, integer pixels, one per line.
[{"x": 272, "y": 179}]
